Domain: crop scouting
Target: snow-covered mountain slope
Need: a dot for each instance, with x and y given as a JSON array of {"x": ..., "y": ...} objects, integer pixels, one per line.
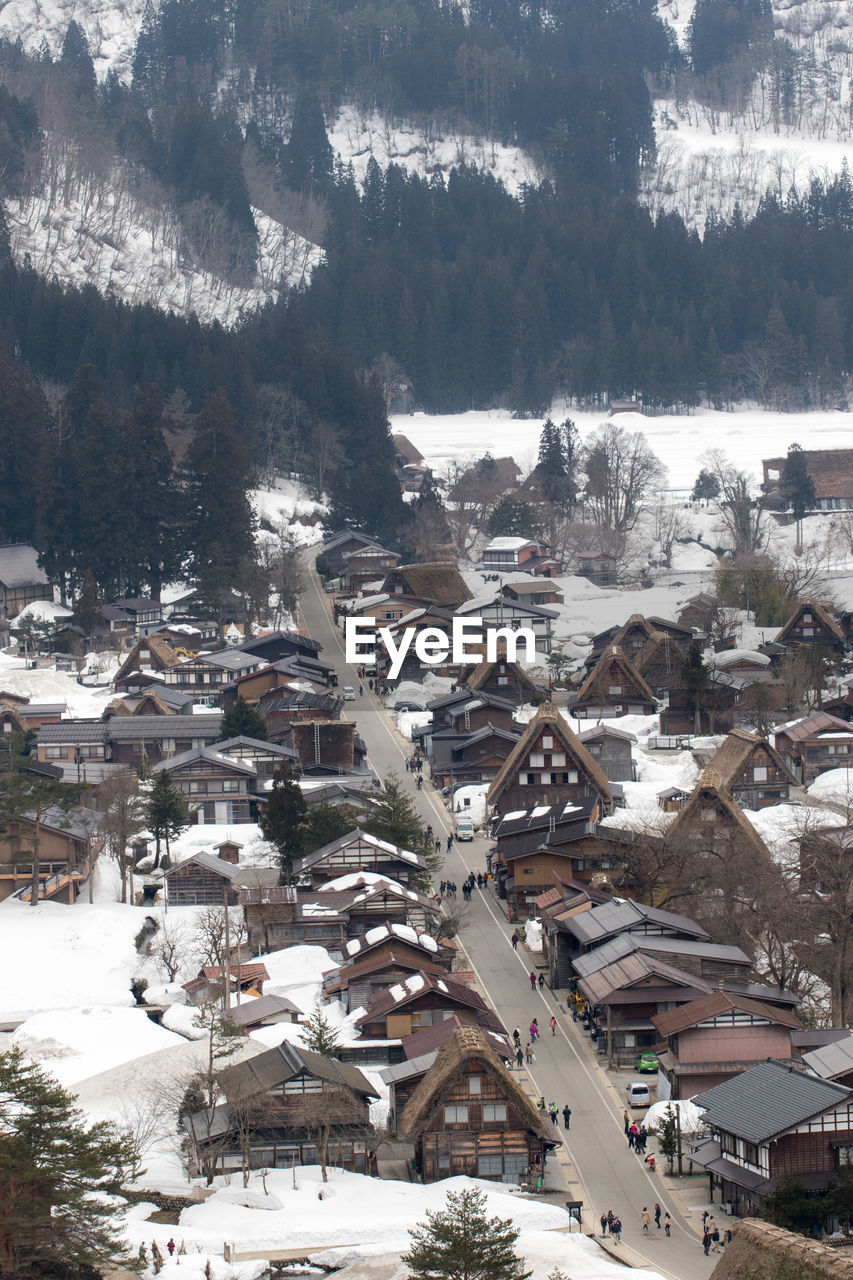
[
  {"x": 111, "y": 27},
  {"x": 797, "y": 123},
  {"x": 85, "y": 228}
]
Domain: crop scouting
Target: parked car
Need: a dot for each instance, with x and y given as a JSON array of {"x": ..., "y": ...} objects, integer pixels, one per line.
[
  {"x": 638, "y": 1094},
  {"x": 349, "y": 693},
  {"x": 407, "y": 706},
  {"x": 646, "y": 1062}
]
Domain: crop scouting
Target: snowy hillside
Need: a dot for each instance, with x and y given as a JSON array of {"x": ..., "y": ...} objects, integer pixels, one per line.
[{"x": 782, "y": 137}]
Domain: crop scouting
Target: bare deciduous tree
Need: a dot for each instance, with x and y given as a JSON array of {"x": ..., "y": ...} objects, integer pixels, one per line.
[
  {"x": 621, "y": 473},
  {"x": 741, "y": 517}
]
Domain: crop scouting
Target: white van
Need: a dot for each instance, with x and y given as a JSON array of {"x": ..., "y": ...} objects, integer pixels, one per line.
[
  {"x": 638, "y": 1094},
  {"x": 464, "y": 828}
]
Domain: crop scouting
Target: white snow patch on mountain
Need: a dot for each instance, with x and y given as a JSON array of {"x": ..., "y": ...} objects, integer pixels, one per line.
[{"x": 111, "y": 28}]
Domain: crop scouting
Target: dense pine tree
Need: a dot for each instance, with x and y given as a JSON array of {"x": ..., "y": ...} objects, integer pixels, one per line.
[{"x": 461, "y": 1243}]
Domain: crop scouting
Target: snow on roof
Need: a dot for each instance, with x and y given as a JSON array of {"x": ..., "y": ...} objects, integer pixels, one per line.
[
  {"x": 358, "y": 880},
  {"x": 508, "y": 544},
  {"x": 41, "y": 611}
]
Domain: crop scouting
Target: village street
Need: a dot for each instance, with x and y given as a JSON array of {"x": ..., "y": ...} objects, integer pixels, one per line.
[{"x": 608, "y": 1174}]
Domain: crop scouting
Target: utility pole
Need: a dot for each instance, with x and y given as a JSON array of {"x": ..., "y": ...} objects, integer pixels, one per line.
[{"x": 226, "y": 968}]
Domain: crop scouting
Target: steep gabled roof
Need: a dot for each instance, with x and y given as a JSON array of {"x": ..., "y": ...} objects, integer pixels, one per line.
[
  {"x": 733, "y": 755},
  {"x": 268, "y": 1070},
  {"x": 696, "y": 1011},
  {"x": 356, "y": 836},
  {"x": 412, "y": 988},
  {"x": 548, "y": 717},
  {"x": 821, "y": 614},
  {"x": 478, "y": 677},
  {"x": 162, "y": 653},
  {"x": 440, "y": 581},
  {"x": 812, "y": 726},
  {"x": 469, "y": 1043},
  {"x": 590, "y": 690},
  {"x": 709, "y": 789},
  {"x": 831, "y": 1060},
  {"x": 769, "y": 1099}
]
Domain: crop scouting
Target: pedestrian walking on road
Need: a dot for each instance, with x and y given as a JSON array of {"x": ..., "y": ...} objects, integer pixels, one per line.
[
  {"x": 171, "y": 1247},
  {"x": 616, "y": 1230},
  {"x": 553, "y": 1025},
  {"x": 437, "y": 845},
  {"x": 574, "y": 1012},
  {"x": 540, "y": 1105},
  {"x": 479, "y": 880},
  {"x": 657, "y": 1216},
  {"x": 515, "y": 941},
  {"x": 567, "y": 1117},
  {"x": 541, "y": 981},
  {"x": 528, "y": 1053},
  {"x": 611, "y": 1218},
  {"x": 667, "y": 1223},
  {"x": 627, "y": 1120},
  {"x": 449, "y": 843},
  {"x": 706, "y": 1241},
  {"x": 420, "y": 783},
  {"x": 603, "y": 1221},
  {"x": 552, "y": 1112},
  {"x": 519, "y": 1058},
  {"x": 631, "y": 1138},
  {"x": 646, "y": 1219},
  {"x": 534, "y": 1031},
  {"x": 361, "y": 690},
  {"x": 533, "y": 982}
]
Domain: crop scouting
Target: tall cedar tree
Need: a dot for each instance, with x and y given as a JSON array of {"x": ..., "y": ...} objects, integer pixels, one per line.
[
  {"x": 319, "y": 1036},
  {"x": 694, "y": 676},
  {"x": 219, "y": 516},
  {"x": 58, "y": 1177},
  {"x": 168, "y": 812},
  {"x": 24, "y": 429},
  {"x": 149, "y": 496},
  {"x": 393, "y": 818},
  {"x": 798, "y": 487},
  {"x": 242, "y": 720},
  {"x": 283, "y": 819},
  {"x": 461, "y": 1243}
]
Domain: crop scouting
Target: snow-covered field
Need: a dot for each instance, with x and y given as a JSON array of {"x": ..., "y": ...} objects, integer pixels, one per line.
[{"x": 679, "y": 440}]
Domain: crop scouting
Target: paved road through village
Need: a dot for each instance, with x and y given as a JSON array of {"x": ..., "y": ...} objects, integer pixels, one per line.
[{"x": 610, "y": 1176}]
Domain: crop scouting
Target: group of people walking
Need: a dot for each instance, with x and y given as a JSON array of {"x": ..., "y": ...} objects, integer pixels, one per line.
[
  {"x": 711, "y": 1239},
  {"x": 611, "y": 1225},
  {"x": 646, "y": 1219},
  {"x": 553, "y": 1111},
  {"x": 637, "y": 1135}
]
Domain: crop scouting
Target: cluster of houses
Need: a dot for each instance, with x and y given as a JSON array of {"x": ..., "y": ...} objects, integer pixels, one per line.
[{"x": 455, "y": 1107}]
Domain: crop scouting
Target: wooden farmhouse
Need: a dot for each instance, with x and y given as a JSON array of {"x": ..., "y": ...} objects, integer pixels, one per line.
[
  {"x": 290, "y": 1106},
  {"x": 468, "y": 1116},
  {"x": 404, "y": 941},
  {"x": 370, "y": 564},
  {"x": 205, "y": 880},
  {"x": 377, "y": 899},
  {"x": 264, "y": 757},
  {"x": 359, "y": 851},
  {"x": 533, "y": 591},
  {"x": 420, "y": 1051},
  {"x": 661, "y": 660},
  {"x": 535, "y": 845},
  {"x": 503, "y": 679},
  {"x": 614, "y": 687},
  {"x": 151, "y": 655},
  {"x": 577, "y": 918},
  {"x": 340, "y": 546},
  {"x": 357, "y": 983},
  {"x": 257, "y": 684},
  {"x": 263, "y": 1011},
  {"x": 634, "y": 634},
  {"x": 712, "y": 819},
  {"x": 328, "y": 746},
  {"x": 440, "y": 582},
  {"x": 611, "y": 748},
  {"x": 464, "y": 710},
  {"x": 282, "y": 710},
  {"x": 218, "y": 789},
  {"x": 246, "y": 978},
  {"x": 469, "y": 757},
  {"x": 771, "y": 1122},
  {"x": 280, "y": 916},
  {"x": 421, "y": 1000},
  {"x": 699, "y": 611},
  {"x": 814, "y": 745},
  {"x": 831, "y": 472},
  {"x": 548, "y": 765},
  {"x": 812, "y": 624},
  {"x": 22, "y": 581},
  {"x": 69, "y": 844},
  {"x": 711, "y": 1039},
  {"x": 752, "y": 771}
]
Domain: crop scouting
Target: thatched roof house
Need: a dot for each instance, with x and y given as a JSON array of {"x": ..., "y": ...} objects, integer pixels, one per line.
[
  {"x": 614, "y": 687},
  {"x": 752, "y": 770},
  {"x": 812, "y": 623},
  {"x": 712, "y": 815},
  {"x": 549, "y": 763},
  {"x": 760, "y": 1251},
  {"x": 470, "y": 1116},
  {"x": 438, "y": 581}
]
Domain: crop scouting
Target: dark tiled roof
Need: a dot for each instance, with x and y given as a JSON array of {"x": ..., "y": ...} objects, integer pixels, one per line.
[
  {"x": 768, "y": 1100},
  {"x": 622, "y": 915},
  {"x": 135, "y": 728},
  {"x": 78, "y": 731}
]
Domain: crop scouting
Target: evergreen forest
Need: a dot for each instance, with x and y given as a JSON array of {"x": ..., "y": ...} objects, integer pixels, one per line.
[{"x": 449, "y": 286}]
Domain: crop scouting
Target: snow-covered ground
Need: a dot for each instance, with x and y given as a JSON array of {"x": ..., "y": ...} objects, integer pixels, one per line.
[
  {"x": 46, "y": 684},
  {"x": 287, "y": 503},
  {"x": 679, "y": 440}
]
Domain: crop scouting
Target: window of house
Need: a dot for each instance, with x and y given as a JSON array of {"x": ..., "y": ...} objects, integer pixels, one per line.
[
  {"x": 503, "y": 680},
  {"x": 531, "y": 778},
  {"x": 808, "y": 631},
  {"x": 198, "y": 788},
  {"x": 614, "y": 688},
  {"x": 750, "y": 1153},
  {"x": 728, "y": 1144},
  {"x": 489, "y": 1165},
  {"x": 845, "y": 1155},
  {"x": 807, "y": 617},
  {"x": 493, "y": 1111},
  {"x": 571, "y": 775},
  {"x": 475, "y": 1084},
  {"x": 708, "y": 815},
  {"x": 537, "y": 759},
  {"x": 547, "y": 743},
  {"x": 230, "y": 784},
  {"x": 456, "y": 1114},
  {"x": 558, "y": 759},
  {"x": 55, "y": 753},
  {"x": 167, "y": 745},
  {"x": 444, "y": 1162},
  {"x": 759, "y": 773}
]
